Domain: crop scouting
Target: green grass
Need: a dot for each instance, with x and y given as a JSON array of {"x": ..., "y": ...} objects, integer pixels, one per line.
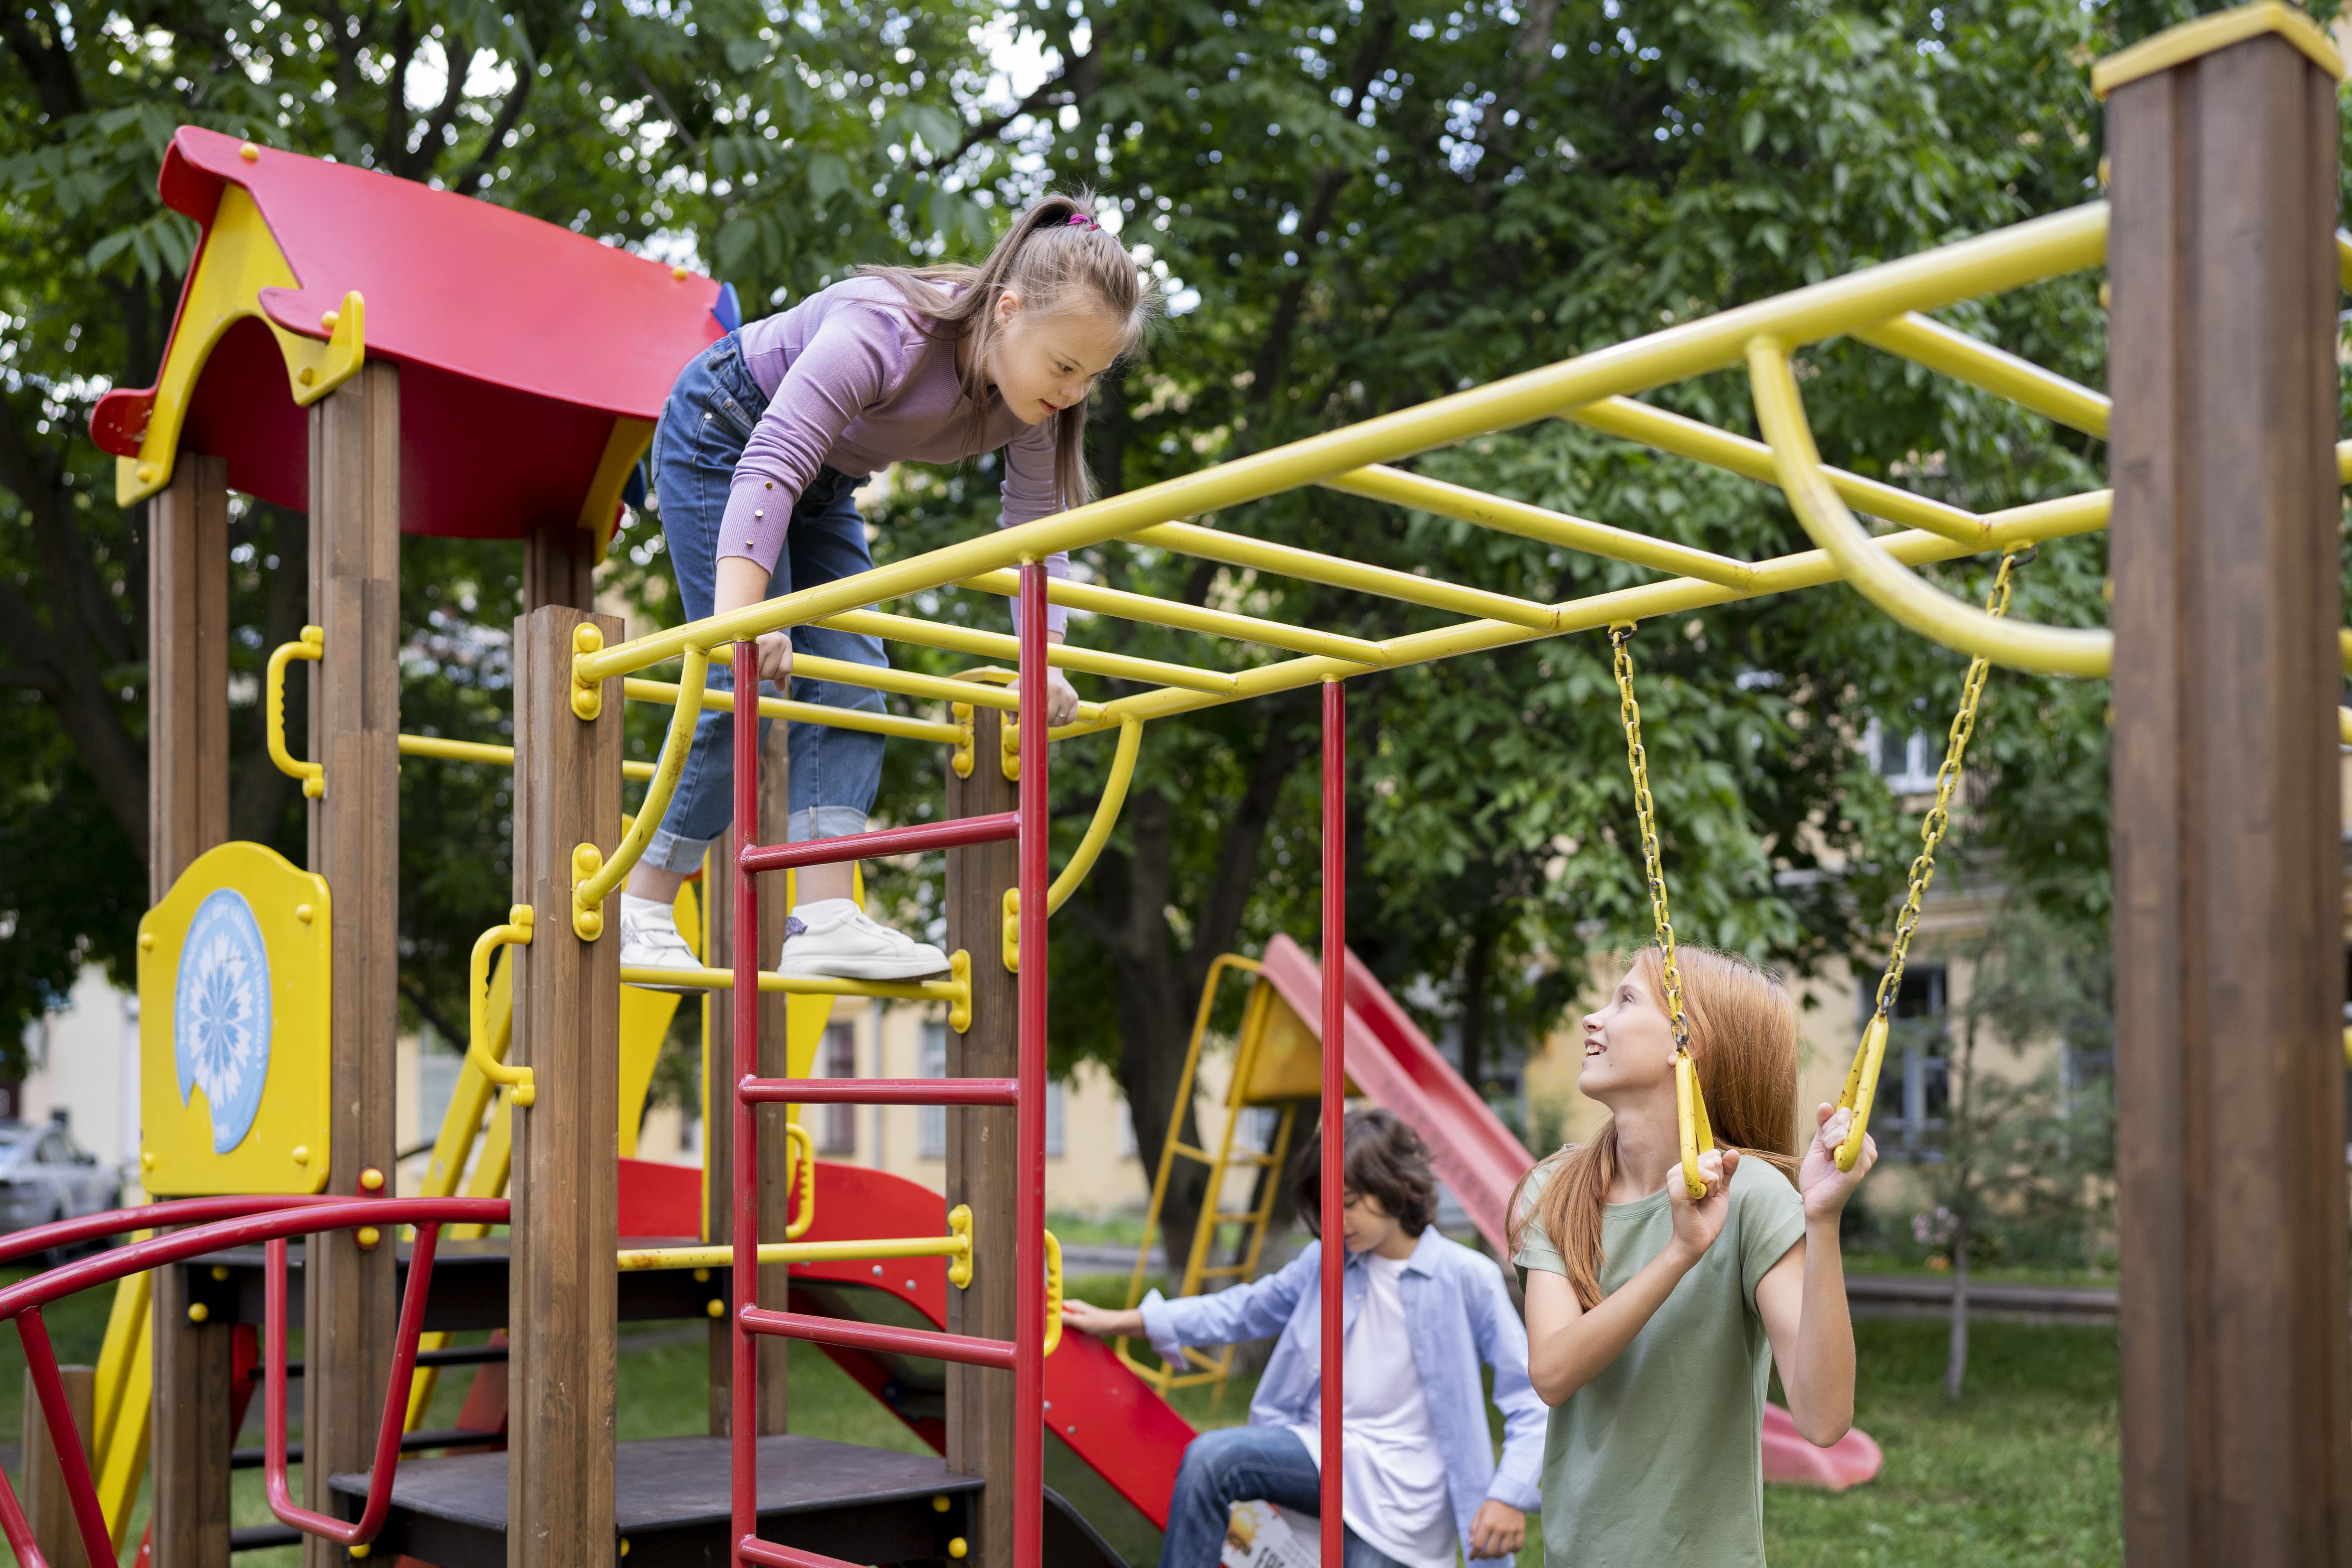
[{"x": 2022, "y": 1471}]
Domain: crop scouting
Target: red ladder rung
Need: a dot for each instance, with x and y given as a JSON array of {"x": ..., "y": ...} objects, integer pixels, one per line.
[
  {"x": 879, "y": 1090},
  {"x": 952, "y": 834}
]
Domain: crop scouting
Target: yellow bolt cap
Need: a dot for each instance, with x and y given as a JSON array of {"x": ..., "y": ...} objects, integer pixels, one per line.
[
  {"x": 367, "y": 1236},
  {"x": 717, "y": 1308},
  {"x": 249, "y": 152},
  {"x": 199, "y": 1311},
  {"x": 624, "y": 1546},
  {"x": 939, "y": 1503},
  {"x": 306, "y": 376},
  {"x": 587, "y": 637},
  {"x": 305, "y": 913},
  {"x": 302, "y": 1153},
  {"x": 702, "y": 1277},
  {"x": 361, "y": 1550},
  {"x": 679, "y": 273},
  {"x": 146, "y": 942},
  {"x": 371, "y": 1180},
  {"x": 146, "y": 473},
  {"x": 957, "y": 1548},
  {"x": 328, "y": 319},
  {"x": 220, "y": 1270}
]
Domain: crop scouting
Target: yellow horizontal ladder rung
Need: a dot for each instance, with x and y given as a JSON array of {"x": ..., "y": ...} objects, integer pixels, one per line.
[
  {"x": 997, "y": 644},
  {"x": 795, "y": 985},
  {"x": 1466, "y": 505},
  {"x": 1702, "y": 442},
  {"x": 1224, "y": 1271},
  {"x": 666, "y": 692},
  {"x": 1929, "y": 343},
  {"x": 1149, "y": 611},
  {"x": 1311, "y": 566},
  {"x": 488, "y": 755},
  {"x": 1190, "y": 1153}
]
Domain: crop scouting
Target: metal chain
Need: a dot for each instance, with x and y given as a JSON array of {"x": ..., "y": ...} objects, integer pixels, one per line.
[
  {"x": 1947, "y": 778},
  {"x": 1620, "y": 636}
]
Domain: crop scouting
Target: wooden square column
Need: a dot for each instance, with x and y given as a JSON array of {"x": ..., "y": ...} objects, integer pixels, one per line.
[
  {"x": 982, "y": 1169},
  {"x": 349, "y": 1311},
  {"x": 2228, "y": 924},
  {"x": 562, "y": 1299},
  {"x": 187, "y": 814},
  {"x": 721, "y": 1073}
]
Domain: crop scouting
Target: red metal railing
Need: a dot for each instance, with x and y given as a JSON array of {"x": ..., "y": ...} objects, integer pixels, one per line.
[
  {"x": 879, "y": 1090},
  {"x": 950, "y": 835},
  {"x": 215, "y": 1225},
  {"x": 1335, "y": 1078}
]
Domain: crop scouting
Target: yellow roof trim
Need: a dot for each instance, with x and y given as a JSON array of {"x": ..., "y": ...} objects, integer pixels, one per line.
[{"x": 2177, "y": 46}]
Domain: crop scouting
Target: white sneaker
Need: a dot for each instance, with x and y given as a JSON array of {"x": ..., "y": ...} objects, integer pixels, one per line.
[
  {"x": 833, "y": 940},
  {"x": 650, "y": 940}
]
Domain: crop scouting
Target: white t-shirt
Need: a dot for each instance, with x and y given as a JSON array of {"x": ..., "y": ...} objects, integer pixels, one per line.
[{"x": 1392, "y": 1477}]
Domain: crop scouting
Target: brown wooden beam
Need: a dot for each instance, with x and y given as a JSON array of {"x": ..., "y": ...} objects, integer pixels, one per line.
[
  {"x": 981, "y": 1165},
  {"x": 46, "y": 1506},
  {"x": 559, "y": 567},
  {"x": 563, "y": 1291},
  {"x": 187, "y": 814},
  {"x": 349, "y": 1308},
  {"x": 719, "y": 1123},
  {"x": 2229, "y": 923}
]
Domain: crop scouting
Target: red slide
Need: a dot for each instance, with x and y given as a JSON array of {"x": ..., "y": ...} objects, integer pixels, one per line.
[{"x": 1394, "y": 1063}]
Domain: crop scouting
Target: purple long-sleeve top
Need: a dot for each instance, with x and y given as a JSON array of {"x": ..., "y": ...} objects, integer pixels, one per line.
[{"x": 856, "y": 380}]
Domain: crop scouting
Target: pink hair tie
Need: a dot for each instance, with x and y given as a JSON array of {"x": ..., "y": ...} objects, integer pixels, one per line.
[{"x": 1080, "y": 220}]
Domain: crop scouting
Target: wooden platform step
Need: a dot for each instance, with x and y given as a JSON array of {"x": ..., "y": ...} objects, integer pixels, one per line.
[{"x": 865, "y": 1505}]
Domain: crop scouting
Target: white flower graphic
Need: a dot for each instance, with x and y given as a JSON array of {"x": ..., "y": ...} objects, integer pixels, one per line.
[{"x": 220, "y": 1023}]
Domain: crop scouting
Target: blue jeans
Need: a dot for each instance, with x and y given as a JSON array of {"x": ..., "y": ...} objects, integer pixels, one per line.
[
  {"x": 709, "y": 415},
  {"x": 1233, "y": 1465}
]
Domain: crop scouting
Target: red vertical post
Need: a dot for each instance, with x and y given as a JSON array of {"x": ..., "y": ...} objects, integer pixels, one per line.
[
  {"x": 743, "y": 1424},
  {"x": 1029, "y": 1201},
  {"x": 1335, "y": 1109}
]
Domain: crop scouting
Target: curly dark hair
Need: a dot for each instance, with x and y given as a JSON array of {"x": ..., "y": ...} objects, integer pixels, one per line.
[{"x": 1381, "y": 1158}]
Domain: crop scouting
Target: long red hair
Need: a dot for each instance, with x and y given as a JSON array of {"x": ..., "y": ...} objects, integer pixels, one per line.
[{"x": 1743, "y": 1035}]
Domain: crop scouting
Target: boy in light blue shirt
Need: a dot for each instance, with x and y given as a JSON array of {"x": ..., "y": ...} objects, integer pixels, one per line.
[{"x": 1421, "y": 1313}]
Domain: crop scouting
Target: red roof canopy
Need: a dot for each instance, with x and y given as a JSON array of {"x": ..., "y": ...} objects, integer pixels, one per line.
[{"x": 521, "y": 345}]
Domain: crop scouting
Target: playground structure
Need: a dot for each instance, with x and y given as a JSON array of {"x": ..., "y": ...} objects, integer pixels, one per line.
[{"x": 2224, "y": 659}]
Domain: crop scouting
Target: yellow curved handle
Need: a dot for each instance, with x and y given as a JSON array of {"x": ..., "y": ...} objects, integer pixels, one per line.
[
  {"x": 313, "y": 647},
  {"x": 1114, "y": 800},
  {"x": 1878, "y": 576},
  {"x": 1052, "y": 1293},
  {"x": 1861, "y": 1089},
  {"x": 1691, "y": 1125},
  {"x": 800, "y": 1159},
  {"x": 516, "y": 933},
  {"x": 595, "y": 877},
  {"x": 959, "y": 1264}
]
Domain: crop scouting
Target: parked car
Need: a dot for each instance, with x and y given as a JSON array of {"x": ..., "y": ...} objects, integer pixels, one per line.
[{"x": 44, "y": 1175}]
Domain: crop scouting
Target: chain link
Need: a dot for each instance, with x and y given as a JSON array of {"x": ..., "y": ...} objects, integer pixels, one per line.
[
  {"x": 1620, "y": 636},
  {"x": 1947, "y": 778}
]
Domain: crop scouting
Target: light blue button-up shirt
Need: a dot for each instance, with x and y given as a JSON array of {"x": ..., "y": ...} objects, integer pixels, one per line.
[{"x": 1458, "y": 1315}]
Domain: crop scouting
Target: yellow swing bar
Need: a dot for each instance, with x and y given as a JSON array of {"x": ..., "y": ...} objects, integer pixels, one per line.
[
  {"x": 1862, "y": 1079},
  {"x": 1693, "y": 1130}
]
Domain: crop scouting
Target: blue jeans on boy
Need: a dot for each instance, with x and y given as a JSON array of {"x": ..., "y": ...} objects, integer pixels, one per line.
[
  {"x": 710, "y": 414},
  {"x": 1234, "y": 1464}
]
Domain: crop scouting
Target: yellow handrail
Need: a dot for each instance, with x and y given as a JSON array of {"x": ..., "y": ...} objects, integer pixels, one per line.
[
  {"x": 595, "y": 878},
  {"x": 1930, "y": 344},
  {"x": 666, "y": 693},
  {"x": 650, "y": 1258},
  {"x": 489, "y": 755},
  {"x": 313, "y": 647},
  {"x": 997, "y": 644},
  {"x": 1090, "y": 847},
  {"x": 1780, "y": 409},
  {"x": 516, "y": 933}
]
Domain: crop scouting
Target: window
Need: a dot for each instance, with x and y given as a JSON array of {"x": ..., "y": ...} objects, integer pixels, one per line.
[
  {"x": 1901, "y": 757},
  {"x": 837, "y": 1130},
  {"x": 931, "y": 1121},
  {"x": 1053, "y": 1150}
]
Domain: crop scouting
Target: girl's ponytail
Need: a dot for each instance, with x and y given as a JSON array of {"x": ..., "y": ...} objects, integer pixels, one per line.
[{"x": 1054, "y": 258}]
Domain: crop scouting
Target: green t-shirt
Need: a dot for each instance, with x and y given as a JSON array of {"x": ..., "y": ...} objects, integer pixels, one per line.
[{"x": 1659, "y": 1459}]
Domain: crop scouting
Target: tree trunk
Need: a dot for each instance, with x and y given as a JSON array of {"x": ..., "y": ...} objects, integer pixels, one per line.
[
  {"x": 1956, "y": 1362},
  {"x": 1473, "y": 1011}
]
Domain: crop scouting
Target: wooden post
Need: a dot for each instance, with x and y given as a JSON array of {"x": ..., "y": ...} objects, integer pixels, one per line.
[
  {"x": 562, "y": 1292},
  {"x": 559, "y": 566},
  {"x": 718, "y": 1124},
  {"x": 349, "y": 1307},
  {"x": 981, "y": 1167},
  {"x": 46, "y": 1503},
  {"x": 2229, "y": 918},
  {"x": 187, "y": 814}
]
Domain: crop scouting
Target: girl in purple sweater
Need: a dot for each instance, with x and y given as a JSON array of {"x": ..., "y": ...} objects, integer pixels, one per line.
[{"x": 766, "y": 435}]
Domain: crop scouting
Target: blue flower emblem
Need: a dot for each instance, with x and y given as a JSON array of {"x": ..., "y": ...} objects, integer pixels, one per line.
[{"x": 220, "y": 1015}]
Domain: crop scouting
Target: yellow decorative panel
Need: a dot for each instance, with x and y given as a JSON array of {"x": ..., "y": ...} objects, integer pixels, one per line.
[{"x": 234, "y": 989}]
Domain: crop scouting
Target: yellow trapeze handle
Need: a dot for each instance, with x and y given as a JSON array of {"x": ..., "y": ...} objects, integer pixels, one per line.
[
  {"x": 1861, "y": 1089},
  {"x": 1691, "y": 1124}
]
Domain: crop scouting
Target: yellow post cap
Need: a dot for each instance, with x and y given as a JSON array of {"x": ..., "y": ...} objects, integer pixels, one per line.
[{"x": 2207, "y": 34}]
